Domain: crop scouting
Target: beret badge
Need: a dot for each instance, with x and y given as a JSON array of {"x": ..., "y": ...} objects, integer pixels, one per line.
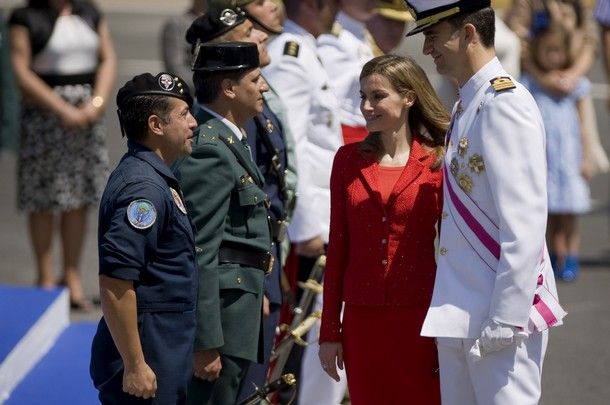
[
  {"x": 166, "y": 82},
  {"x": 228, "y": 17}
]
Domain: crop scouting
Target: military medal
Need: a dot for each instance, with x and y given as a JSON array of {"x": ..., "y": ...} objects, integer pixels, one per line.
[
  {"x": 141, "y": 214},
  {"x": 178, "y": 201},
  {"x": 465, "y": 183},
  {"x": 269, "y": 126},
  {"x": 459, "y": 108},
  {"x": 476, "y": 163},
  {"x": 462, "y": 146},
  {"x": 454, "y": 167}
]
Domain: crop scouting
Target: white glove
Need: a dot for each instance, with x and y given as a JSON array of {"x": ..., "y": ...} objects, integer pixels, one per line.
[{"x": 496, "y": 336}]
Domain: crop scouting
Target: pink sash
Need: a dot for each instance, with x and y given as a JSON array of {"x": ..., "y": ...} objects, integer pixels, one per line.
[{"x": 481, "y": 233}]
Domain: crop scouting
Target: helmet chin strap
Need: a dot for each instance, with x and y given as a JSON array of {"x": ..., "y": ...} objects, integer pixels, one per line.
[{"x": 265, "y": 27}]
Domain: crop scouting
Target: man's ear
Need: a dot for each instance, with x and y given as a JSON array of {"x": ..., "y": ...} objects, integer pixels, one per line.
[
  {"x": 227, "y": 87},
  {"x": 470, "y": 33},
  {"x": 155, "y": 124}
]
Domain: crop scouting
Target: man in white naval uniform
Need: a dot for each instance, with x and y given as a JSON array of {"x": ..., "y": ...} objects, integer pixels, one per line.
[
  {"x": 494, "y": 296},
  {"x": 297, "y": 74},
  {"x": 344, "y": 52}
]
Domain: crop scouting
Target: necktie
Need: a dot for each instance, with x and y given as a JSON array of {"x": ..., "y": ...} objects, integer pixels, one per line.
[{"x": 244, "y": 141}]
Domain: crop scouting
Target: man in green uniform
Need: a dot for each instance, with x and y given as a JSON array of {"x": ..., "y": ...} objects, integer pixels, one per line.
[{"x": 223, "y": 190}]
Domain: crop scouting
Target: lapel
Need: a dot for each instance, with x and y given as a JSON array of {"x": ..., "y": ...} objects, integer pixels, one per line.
[
  {"x": 215, "y": 127},
  {"x": 369, "y": 172},
  {"x": 413, "y": 170}
]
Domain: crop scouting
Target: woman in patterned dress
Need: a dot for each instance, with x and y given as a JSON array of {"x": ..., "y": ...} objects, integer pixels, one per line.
[{"x": 65, "y": 65}]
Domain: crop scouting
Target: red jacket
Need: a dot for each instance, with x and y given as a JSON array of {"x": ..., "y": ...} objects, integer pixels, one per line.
[{"x": 380, "y": 254}]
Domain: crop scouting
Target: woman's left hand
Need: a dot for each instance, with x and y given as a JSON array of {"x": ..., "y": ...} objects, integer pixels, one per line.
[
  {"x": 331, "y": 357},
  {"x": 92, "y": 113}
]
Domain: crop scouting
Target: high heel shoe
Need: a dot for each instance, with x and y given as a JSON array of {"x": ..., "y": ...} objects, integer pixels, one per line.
[{"x": 80, "y": 304}]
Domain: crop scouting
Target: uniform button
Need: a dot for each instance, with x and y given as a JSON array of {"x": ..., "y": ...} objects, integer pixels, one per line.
[
  {"x": 198, "y": 250},
  {"x": 238, "y": 280},
  {"x": 384, "y": 241},
  {"x": 443, "y": 251},
  {"x": 255, "y": 198},
  {"x": 384, "y": 262},
  {"x": 444, "y": 215},
  {"x": 383, "y": 219}
]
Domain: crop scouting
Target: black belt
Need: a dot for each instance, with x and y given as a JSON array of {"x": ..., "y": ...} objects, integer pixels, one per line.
[
  {"x": 65, "y": 80},
  {"x": 250, "y": 258},
  {"x": 279, "y": 230},
  {"x": 165, "y": 307}
]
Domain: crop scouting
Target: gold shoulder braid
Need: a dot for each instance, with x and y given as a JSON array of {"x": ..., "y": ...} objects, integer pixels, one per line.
[
  {"x": 337, "y": 28},
  {"x": 502, "y": 83},
  {"x": 291, "y": 49}
]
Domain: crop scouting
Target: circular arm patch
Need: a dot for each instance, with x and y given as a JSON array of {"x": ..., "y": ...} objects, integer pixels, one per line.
[{"x": 141, "y": 214}]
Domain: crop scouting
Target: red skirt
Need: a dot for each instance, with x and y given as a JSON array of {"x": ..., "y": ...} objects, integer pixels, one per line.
[{"x": 387, "y": 361}]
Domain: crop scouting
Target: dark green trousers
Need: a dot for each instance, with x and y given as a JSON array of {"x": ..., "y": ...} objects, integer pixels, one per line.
[{"x": 225, "y": 389}]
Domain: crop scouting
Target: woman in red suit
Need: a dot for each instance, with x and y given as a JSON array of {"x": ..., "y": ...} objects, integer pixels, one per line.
[{"x": 386, "y": 199}]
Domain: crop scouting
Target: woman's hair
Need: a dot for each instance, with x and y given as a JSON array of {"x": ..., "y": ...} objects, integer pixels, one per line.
[{"x": 428, "y": 117}]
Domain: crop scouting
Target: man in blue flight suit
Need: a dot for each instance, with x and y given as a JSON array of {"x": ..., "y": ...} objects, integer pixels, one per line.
[
  {"x": 141, "y": 352},
  {"x": 267, "y": 141},
  {"x": 223, "y": 189}
]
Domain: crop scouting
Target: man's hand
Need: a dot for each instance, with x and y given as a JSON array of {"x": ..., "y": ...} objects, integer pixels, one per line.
[
  {"x": 266, "y": 310},
  {"x": 331, "y": 357},
  {"x": 206, "y": 364},
  {"x": 140, "y": 381},
  {"x": 311, "y": 248},
  {"x": 496, "y": 336}
]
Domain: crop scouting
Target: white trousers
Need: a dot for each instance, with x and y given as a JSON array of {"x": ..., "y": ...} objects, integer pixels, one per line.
[
  {"x": 316, "y": 387},
  {"x": 507, "y": 377}
]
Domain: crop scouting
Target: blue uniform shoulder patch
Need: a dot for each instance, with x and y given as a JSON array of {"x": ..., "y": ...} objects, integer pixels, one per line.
[{"x": 141, "y": 214}]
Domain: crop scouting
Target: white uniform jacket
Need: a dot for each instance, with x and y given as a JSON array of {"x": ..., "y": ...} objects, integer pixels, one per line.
[
  {"x": 496, "y": 155},
  {"x": 299, "y": 78},
  {"x": 343, "y": 54}
]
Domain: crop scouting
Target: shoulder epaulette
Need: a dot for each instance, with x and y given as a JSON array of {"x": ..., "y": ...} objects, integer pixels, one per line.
[
  {"x": 291, "y": 48},
  {"x": 502, "y": 83},
  {"x": 337, "y": 28}
]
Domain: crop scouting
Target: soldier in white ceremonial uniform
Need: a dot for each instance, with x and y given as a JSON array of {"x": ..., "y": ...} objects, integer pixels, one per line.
[
  {"x": 297, "y": 74},
  {"x": 344, "y": 52},
  {"x": 494, "y": 296}
]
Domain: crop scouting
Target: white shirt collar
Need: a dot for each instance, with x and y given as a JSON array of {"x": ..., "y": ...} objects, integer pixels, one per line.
[
  {"x": 234, "y": 128},
  {"x": 352, "y": 25},
  {"x": 480, "y": 78}
]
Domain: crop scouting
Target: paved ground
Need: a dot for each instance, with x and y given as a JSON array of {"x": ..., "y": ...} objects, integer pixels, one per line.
[{"x": 577, "y": 367}]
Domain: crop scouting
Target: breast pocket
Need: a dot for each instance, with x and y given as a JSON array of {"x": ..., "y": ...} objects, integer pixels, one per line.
[{"x": 250, "y": 201}]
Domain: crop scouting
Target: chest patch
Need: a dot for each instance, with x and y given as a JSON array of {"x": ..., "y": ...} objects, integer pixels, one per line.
[
  {"x": 178, "y": 201},
  {"x": 141, "y": 214}
]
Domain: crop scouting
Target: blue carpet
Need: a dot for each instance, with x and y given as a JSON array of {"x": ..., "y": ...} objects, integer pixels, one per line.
[
  {"x": 20, "y": 308},
  {"x": 62, "y": 376}
]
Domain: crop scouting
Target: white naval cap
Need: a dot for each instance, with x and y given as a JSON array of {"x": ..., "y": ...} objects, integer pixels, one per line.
[{"x": 428, "y": 12}]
